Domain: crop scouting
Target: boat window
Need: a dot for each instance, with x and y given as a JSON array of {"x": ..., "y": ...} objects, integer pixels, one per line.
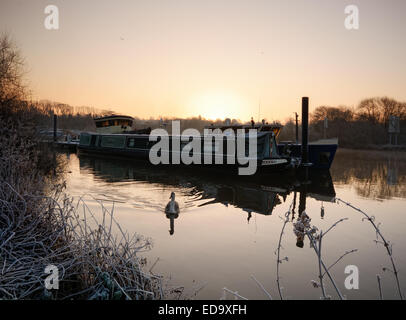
[
  {"x": 137, "y": 143},
  {"x": 127, "y": 123},
  {"x": 130, "y": 143},
  {"x": 114, "y": 122},
  {"x": 84, "y": 139},
  {"x": 273, "y": 149},
  {"x": 93, "y": 140},
  {"x": 100, "y": 124},
  {"x": 117, "y": 141}
]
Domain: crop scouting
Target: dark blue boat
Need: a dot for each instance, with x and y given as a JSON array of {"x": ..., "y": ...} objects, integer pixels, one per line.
[{"x": 321, "y": 153}]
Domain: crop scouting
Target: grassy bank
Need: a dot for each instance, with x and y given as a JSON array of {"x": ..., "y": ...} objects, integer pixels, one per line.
[{"x": 41, "y": 226}]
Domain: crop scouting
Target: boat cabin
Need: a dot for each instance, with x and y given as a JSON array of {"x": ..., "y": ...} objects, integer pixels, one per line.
[
  {"x": 260, "y": 127},
  {"x": 113, "y": 124}
]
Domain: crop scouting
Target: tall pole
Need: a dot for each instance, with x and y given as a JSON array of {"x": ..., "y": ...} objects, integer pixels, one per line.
[
  {"x": 325, "y": 126},
  {"x": 305, "y": 129},
  {"x": 297, "y": 127}
]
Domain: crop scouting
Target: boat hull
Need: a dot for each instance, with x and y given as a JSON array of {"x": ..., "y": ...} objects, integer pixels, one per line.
[
  {"x": 174, "y": 147},
  {"x": 264, "y": 167},
  {"x": 321, "y": 155}
]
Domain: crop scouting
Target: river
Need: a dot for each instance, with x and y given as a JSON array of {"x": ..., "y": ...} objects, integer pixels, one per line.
[{"x": 227, "y": 232}]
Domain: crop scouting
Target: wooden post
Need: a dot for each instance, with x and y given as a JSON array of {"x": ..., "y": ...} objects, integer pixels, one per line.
[
  {"x": 305, "y": 129},
  {"x": 55, "y": 126},
  {"x": 297, "y": 127}
]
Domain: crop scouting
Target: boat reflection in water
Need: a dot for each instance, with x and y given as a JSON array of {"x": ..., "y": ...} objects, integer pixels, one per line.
[{"x": 203, "y": 188}]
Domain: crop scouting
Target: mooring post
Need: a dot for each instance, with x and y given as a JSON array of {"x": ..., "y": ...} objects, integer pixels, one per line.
[
  {"x": 55, "y": 126},
  {"x": 305, "y": 130},
  {"x": 302, "y": 199},
  {"x": 297, "y": 127}
]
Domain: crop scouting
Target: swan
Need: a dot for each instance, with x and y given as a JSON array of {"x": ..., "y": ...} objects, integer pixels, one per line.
[{"x": 172, "y": 207}]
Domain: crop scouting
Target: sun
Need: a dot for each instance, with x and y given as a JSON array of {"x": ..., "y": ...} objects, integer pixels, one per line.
[{"x": 217, "y": 105}]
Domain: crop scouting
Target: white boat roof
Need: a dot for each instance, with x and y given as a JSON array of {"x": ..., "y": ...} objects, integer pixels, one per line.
[{"x": 113, "y": 116}]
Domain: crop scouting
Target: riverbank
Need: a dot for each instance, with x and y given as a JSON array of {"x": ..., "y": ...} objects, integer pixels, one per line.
[
  {"x": 382, "y": 147},
  {"x": 52, "y": 247},
  {"x": 370, "y": 154}
]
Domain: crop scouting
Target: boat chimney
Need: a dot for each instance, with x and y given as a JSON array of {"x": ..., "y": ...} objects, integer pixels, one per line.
[{"x": 305, "y": 130}]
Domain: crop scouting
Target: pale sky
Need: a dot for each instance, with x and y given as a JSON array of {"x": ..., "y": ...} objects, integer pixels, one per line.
[{"x": 215, "y": 58}]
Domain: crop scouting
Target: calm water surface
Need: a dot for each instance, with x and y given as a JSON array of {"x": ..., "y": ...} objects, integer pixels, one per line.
[{"x": 228, "y": 230}]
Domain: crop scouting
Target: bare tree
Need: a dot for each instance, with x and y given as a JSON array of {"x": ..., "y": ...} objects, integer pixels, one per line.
[
  {"x": 11, "y": 73},
  {"x": 368, "y": 109},
  {"x": 389, "y": 107},
  {"x": 332, "y": 113}
]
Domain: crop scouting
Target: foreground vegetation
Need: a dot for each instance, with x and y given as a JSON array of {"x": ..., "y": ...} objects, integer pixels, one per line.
[{"x": 41, "y": 226}]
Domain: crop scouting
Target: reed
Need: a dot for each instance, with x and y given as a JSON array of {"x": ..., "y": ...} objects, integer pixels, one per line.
[
  {"x": 93, "y": 261},
  {"x": 382, "y": 240},
  {"x": 41, "y": 226},
  {"x": 278, "y": 250}
]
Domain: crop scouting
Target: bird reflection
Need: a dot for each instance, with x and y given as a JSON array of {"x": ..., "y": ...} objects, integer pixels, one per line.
[
  {"x": 172, "y": 218},
  {"x": 172, "y": 212}
]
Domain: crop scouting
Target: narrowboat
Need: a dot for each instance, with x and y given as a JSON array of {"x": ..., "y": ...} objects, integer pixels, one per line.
[
  {"x": 138, "y": 147},
  {"x": 115, "y": 136}
]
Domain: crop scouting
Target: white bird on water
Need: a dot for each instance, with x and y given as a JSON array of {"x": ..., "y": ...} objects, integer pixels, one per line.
[{"x": 172, "y": 207}]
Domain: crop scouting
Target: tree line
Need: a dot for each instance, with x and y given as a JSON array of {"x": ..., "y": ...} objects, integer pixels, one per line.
[{"x": 363, "y": 126}]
